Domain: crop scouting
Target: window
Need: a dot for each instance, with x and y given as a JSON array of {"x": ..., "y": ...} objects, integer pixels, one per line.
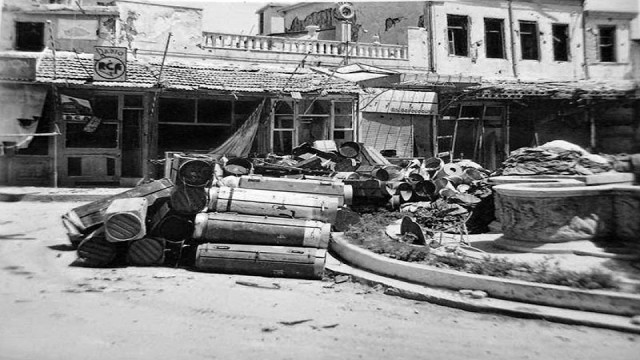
[
  {"x": 494, "y": 38},
  {"x": 529, "y": 40},
  {"x": 560, "y": 33},
  {"x": 343, "y": 123},
  {"x": 607, "y": 43},
  {"x": 261, "y": 24},
  {"x": 283, "y": 126},
  {"x": 458, "y": 30},
  {"x": 196, "y": 124},
  {"x": 30, "y": 36}
]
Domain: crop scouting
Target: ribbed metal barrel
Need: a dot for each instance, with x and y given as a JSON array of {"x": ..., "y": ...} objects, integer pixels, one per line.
[
  {"x": 95, "y": 250},
  {"x": 273, "y": 203},
  {"x": 124, "y": 219},
  {"x": 145, "y": 252},
  {"x": 261, "y": 230}
]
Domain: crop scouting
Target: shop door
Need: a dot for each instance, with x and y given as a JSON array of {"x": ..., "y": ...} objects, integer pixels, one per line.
[{"x": 132, "y": 114}]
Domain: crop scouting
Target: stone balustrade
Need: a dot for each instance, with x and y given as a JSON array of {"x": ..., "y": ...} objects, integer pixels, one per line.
[{"x": 304, "y": 46}]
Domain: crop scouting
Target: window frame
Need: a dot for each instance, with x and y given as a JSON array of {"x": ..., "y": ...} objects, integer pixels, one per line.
[
  {"x": 462, "y": 31},
  {"x": 501, "y": 35},
  {"x": 567, "y": 42},
  {"x": 611, "y": 44},
  {"x": 536, "y": 38},
  {"x": 17, "y": 40}
]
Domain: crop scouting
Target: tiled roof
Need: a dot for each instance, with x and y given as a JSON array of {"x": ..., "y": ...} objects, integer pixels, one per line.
[
  {"x": 78, "y": 69},
  {"x": 558, "y": 90}
]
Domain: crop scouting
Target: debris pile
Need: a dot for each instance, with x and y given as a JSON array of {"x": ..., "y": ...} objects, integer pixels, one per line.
[
  {"x": 208, "y": 215},
  {"x": 554, "y": 158},
  {"x": 269, "y": 216}
]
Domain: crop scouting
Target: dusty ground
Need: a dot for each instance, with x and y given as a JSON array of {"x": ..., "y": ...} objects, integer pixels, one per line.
[{"x": 49, "y": 310}]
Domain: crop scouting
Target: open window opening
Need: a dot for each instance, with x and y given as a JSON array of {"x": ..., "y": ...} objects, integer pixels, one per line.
[
  {"x": 607, "y": 43},
  {"x": 529, "y": 40},
  {"x": 494, "y": 38},
  {"x": 560, "y": 33},
  {"x": 29, "y": 36},
  {"x": 458, "y": 32}
]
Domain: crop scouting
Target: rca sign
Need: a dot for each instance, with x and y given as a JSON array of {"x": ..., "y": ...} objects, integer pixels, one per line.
[{"x": 110, "y": 63}]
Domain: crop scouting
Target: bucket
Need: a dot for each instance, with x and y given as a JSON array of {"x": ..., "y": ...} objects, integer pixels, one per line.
[
  {"x": 432, "y": 165},
  {"x": 394, "y": 172},
  {"x": 414, "y": 178},
  {"x": 449, "y": 170},
  {"x": 174, "y": 228},
  {"x": 470, "y": 175},
  {"x": 196, "y": 172},
  {"x": 238, "y": 167},
  {"x": 425, "y": 189},
  {"x": 349, "y": 149},
  {"x": 400, "y": 188},
  {"x": 380, "y": 174}
]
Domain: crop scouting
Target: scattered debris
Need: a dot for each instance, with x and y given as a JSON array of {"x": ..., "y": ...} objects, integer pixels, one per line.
[
  {"x": 295, "y": 322},
  {"x": 341, "y": 279},
  {"x": 273, "y": 286}
]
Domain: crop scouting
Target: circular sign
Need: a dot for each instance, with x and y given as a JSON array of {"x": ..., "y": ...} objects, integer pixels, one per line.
[{"x": 110, "y": 67}]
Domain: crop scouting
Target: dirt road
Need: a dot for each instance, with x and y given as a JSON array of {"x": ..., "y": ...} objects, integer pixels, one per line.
[{"x": 49, "y": 310}]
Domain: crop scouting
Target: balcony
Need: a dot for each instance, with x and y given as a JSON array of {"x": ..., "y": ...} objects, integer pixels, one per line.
[{"x": 294, "y": 49}]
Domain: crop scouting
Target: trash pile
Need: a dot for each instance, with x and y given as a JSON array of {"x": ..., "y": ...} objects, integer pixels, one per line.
[
  {"x": 557, "y": 157},
  {"x": 207, "y": 216},
  {"x": 268, "y": 216}
]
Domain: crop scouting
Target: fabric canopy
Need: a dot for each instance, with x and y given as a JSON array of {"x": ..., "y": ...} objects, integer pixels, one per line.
[{"x": 21, "y": 106}]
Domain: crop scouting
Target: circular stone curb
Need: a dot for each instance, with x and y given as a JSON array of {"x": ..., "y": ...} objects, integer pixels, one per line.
[{"x": 601, "y": 301}]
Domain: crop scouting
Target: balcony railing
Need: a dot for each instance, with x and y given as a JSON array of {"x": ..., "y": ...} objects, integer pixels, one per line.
[{"x": 303, "y": 46}]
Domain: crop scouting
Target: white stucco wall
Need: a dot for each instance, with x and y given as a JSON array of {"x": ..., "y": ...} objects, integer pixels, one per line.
[
  {"x": 622, "y": 68},
  {"x": 544, "y": 13},
  {"x": 146, "y": 26},
  {"x": 389, "y": 20}
]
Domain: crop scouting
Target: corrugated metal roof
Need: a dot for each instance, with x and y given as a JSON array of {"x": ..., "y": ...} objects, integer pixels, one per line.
[
  {"x": 399, "y": 102},
  {"x": 78, "y": 69}
]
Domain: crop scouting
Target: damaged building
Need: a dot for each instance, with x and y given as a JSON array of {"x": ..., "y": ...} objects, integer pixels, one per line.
[{"x": 453, "y": 79}]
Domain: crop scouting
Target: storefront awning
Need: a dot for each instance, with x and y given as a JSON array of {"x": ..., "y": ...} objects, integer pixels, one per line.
[
  {"x": 399, "y": 102},
  {"x": 21, "y": 110}
]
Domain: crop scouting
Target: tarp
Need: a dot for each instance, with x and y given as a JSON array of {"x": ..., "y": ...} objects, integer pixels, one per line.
[
  {"x": 390, "y": 101},
  {"x": 21, "y": 106},
  {"x": 239, "y": 144}
]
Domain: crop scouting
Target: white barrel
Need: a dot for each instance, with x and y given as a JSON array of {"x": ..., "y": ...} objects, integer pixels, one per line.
[{"x": 273, "y": 203}]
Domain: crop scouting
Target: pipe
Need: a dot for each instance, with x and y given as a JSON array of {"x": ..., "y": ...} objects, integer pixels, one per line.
[
  {"x": 514, "y": 65},
  {"x": 429, "y": 26},
  {"x": 585, "y": 65}
]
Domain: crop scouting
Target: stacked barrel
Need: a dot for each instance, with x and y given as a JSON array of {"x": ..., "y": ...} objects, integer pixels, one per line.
[{"x": 268, "y": 226}]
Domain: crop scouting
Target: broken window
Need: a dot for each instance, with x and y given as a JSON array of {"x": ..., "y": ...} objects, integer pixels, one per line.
[
  {"x": 529, "y": 40},
  {"x": 494, "y": 38},
  {"x": 29, "y": 36},
  {"x": 560, "y": 33},
  {"x": 606, "y": 43},
  {"x": 458, "y": 31}
]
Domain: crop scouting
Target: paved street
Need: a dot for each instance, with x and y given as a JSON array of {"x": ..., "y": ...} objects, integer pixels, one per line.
[{"x": 49, "y": 310}]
